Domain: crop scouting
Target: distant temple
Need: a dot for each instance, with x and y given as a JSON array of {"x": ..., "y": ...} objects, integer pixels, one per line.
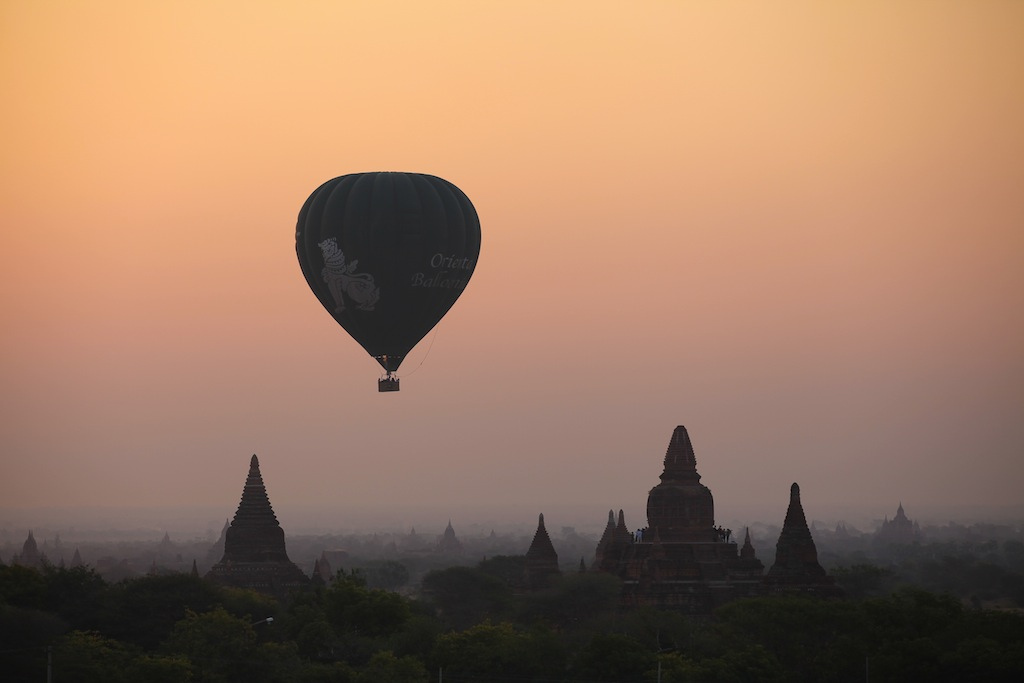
[
  {"x": 30, "y": 555},
  {"x": 254, "y": 549},
  {"x": 899, "y": 530},
  {"x": 541, "y": 559},
  {"x": 681, "y": 560},
  {"x": 449, "y": 544}
]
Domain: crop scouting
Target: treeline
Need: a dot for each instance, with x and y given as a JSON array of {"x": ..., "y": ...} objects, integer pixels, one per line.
[
  {"x": 984, "y": 574},
  {"x": 472, "y": 624}
]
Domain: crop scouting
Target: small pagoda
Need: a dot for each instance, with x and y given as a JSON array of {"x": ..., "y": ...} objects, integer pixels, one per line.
[
  {"x": 541, "y": 560},
  {"x": 796, "y": 568},
  {"x": 254, "y": 548}
]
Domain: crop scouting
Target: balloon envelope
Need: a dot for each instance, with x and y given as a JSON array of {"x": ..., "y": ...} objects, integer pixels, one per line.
[{"x": 387, "y": 254}]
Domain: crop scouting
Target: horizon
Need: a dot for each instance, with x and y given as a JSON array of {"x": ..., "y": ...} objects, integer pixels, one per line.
[{"x": 192, "y": 524}]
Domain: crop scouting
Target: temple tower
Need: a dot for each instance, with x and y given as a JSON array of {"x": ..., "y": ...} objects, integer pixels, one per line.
[
  {"x": 449, "y": 544},
  {"x": 796, "y": 557},
  {"x": 254, "y": 548},
  {"x": 541, "y": 559},
  {"x": 899, "y": 530},
  {"x": 680, "y": 507},
  {"x": 679, "y": 561},
  {"x": 30, "y": 555}
]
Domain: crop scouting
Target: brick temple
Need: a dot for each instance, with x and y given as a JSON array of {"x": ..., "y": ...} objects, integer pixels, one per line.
[
  {"x": 254, "y": 548},
  {"x": 899, "y": 530},
  {"x": 541, "y": 564},
  {"x": 681, "y": 560}
]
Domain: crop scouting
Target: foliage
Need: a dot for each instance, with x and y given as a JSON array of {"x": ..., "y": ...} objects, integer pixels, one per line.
[
  {"x": 353, "y": 608},
  {"x": 464, "y": 596},
  {"x": 489, "y": 651},
  {"x": 385, "y": 667},
  {"x": 809, "y": 637},
  {"x": 863, "y": 580},
  {"x": 88, "y": 657},
  {"x": 507, "y": 568},
  {"x": 384, "y": 574},
  {"x": 474, "y": 626},
  {"x": 22, "y": 586},
  {"x": 143, "y": 611},
  {"x": 572, "y": 602},
  {"x": 613, "y": 657}
]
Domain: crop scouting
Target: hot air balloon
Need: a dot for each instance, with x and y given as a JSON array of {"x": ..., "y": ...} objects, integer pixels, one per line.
[{"x": 387, "y": 254}]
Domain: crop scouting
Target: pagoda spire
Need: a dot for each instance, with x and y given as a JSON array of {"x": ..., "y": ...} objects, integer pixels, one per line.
[
  {"x": 541, "y": 545},
  {"x": 747, "y": 551},
  {"x": 541, "y": 558},
  {"x": 254, "y": 508},
  {"x": 680, "y": 507},
  {"x": 796, "y": 557},
  {"x": 622, "y": 534},
  {"x": 680, "y": 461},
  {"x": 604, "y": 545},
  {"x": 254, "y": 547}
]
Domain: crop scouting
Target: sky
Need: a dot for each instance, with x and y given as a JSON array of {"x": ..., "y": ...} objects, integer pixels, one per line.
[{"x": 796, "y": 228}]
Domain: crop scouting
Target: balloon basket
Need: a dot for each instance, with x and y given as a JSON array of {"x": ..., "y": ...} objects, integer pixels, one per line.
[{"x": 387, "y": 384}]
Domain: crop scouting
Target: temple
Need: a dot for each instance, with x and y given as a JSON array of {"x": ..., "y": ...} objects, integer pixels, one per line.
[
  {"x": 899, "y": 530},
  {"x": 449, "y": 544},
  {"x": 254, "y": 548},
  {"x": 796, "y": 567},
  {"x": 682, "y": 561},
  {"x": 541, "y": 559},
  {"x": 30, "y": 555}
]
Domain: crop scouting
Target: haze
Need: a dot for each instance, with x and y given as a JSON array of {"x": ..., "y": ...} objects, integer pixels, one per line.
[{"x": 795, "y": 228}]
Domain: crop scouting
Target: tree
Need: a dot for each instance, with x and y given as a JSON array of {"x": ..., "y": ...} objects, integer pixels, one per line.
[
  {"x": 464, "y": 596},
  {"x": 385, "y": 574},
  {"x": 575, "y": 601},
  {"x": 862, "y": 580},
  {"x": 22, "y": 587},
  {"x": 353, "y": 608},
  {"x": 385, "y": 667},
  {"x": 144, "y": 610},
  {"x": 809, "y": 638},
  {"x": 88, "y": 657},
  {"x": 490, "y": 651},
  {"x": 218, "y": 646},
  {"x": 613, "y": 657}
]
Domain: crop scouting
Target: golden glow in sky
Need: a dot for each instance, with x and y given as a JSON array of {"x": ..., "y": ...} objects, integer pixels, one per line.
[{"x": 796, "y": 228}]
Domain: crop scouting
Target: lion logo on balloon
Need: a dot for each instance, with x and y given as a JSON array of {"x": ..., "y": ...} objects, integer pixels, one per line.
[{"x": 343, "y": 281}]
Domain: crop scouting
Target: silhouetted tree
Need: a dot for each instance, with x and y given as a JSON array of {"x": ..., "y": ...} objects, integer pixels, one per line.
[
  {"x": 465, "y": 596},
  {"x": 491, "y": 651}
]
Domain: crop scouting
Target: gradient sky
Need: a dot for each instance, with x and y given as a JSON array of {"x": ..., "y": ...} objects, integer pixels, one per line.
[{"x": 795, "y": 228}]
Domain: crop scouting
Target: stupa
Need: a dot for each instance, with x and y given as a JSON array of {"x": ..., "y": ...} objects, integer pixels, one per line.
[
  {"x": 796, "y": 567},
  {"x": 680, "y": 560},
  {"x": 254, "y": 547},
  {"x": 541, "y": 559}
]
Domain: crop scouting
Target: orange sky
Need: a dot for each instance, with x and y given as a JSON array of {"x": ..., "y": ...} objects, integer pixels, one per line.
[{"x": 797, "y": 229}]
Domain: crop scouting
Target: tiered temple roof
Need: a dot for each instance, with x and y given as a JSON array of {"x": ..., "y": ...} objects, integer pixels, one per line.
[
  {"x": 682, "y": 561},
  {"x": 541, "y": 558},
  {"x": 680, "y": 507},
  {"x": 796, "y": 565},
  {"x": 254, "y": 547}
]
